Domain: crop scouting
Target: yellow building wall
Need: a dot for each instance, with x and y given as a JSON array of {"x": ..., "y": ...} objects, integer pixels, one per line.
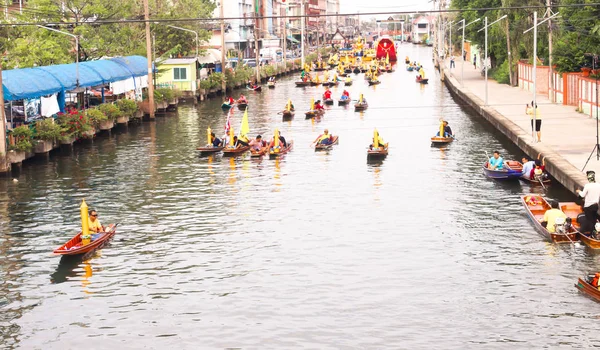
[{"x": 166, "y": 79}]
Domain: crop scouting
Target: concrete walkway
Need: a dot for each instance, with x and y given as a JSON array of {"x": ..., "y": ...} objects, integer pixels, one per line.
[{"x": 568, "y": 137}]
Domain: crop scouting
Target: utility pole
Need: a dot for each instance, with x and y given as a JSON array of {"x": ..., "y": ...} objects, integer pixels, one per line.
[
  {"x": 256, "y": 49},
  {"x": 223, "y": 82},
  {"x": 149, "y": 56},
  {"x": 485, "y": 61},
  {"x": 549, "y": 12},
  {"x": 4, "y": 165},
  {"x": 285, "y": 12},
  {"x": 302, "y": 19}
]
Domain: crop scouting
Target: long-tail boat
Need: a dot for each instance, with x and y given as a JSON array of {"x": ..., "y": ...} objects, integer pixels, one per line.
[
  {"x": 231, "y": 149},
  {"x": 209, "y": 148},
  {"x": 377, "y": 151},
  {"x": 441, "y": 140},
  {"x": 574, "y": 211},
  {"x": 322, "y": 147},
  {"x": 277, "y": 149},
  {"x": 586, "y": 288}
]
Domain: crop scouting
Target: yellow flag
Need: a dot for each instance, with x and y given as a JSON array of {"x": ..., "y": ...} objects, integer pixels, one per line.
[
  {"x": 288, "y": 107},
  {"x": 231, "y": 136},
  {"x": 360, "y": 99},
  {"x": 312, "y": 104},
  {"x": 441, "y": 129},
  {"x": 375, "y": 139},
  {"x": 245, "y": 127},
  {"x": 387, "y": 58},
  {"x": 208, "y": 138},
  {"x": 276, "y": 139}
]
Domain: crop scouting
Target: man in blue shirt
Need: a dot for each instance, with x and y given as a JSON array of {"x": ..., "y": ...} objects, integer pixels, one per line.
[
  {"x": 496, "y": 162},
  {"x": 528, "y": 165}
]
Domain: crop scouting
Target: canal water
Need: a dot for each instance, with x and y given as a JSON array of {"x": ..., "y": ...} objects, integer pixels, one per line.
[{"x": 312, "y": 251}]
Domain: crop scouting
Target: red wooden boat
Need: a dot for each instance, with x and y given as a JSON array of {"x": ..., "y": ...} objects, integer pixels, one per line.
[
  {"x": 74, "y": 246},
  {"x": 422, "y": 81},
  {"x": 273, "y": 154},
  {"x": 259, "y": 153},
  {"x": 228, "y": 151},
  {"x": 573, "y": 210},
  {"x": 536, "y": 207},
  {"x": 588, "y": 289},
  {"x": 322, "y": 147},
  {"x": 302, "y": 83},
  {"x": 378, "y": 153},
  {"x": 287, "y": 114},
  {"x": 441, "y": 141}
]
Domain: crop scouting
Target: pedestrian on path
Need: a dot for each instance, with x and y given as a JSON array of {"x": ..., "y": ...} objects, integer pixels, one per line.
[
  {"x": 452, "y": 62},
  {"x": 475, "y": 60},
  {"x": 538, "y": 120},
  {"x": 464, "y": 55},
  {"x": 590, "y": 193}
]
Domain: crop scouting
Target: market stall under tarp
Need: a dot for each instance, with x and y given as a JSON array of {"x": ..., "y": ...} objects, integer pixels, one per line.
[{"x": 35, "y": 82}]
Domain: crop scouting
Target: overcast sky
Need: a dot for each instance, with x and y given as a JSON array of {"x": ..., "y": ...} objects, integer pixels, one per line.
[{"x": 352, "y": 6}]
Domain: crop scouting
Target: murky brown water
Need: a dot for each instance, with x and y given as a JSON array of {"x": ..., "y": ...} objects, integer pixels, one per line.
[{"x": 315, "y": 251}]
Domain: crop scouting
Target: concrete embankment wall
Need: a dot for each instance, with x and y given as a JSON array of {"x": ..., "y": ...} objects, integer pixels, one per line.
[{"x": 560, "y": 168}]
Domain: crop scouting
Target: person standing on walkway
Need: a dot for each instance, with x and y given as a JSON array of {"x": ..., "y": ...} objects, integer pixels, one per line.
[
  {"x": 591, "y": 195},
  {"x": 452, "y": 62},
  {"x": 475, "y": 60},
  {"x": 538, "y": 120},
  {"x": 464, "y": 55}
]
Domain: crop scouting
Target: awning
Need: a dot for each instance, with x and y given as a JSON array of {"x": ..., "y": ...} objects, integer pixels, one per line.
[
  {"x": 40, "y": 81},
  {"x": 292, "y": 39},
  {"x": 211, "y": 56}
]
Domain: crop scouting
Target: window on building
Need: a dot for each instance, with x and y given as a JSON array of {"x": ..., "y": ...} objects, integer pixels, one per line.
[
  {"x": 179, "y": 73},
  {"x": 422, "y": 25}
]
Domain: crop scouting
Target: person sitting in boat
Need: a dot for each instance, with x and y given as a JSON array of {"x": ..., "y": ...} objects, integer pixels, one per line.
[
  {"x": 447, "y": 130},
  {"x": 242, "y": 141},
  {"x": 94, "y": 224},
  {"x": 379, "y": 141},
  {"x": 538, "y": 171},
  {"x": 282, "y": 142},
  {"x": 551, "y": 216},
  {"x": 319, "y": 106},
  {"x": 324, "y": 139},
  {"x": 242, "y": 99},
  {"x": 496, "y": 162},
  {"x": 291, "y": 107},
  {"x": 216, "y": 142},
  {"x": 595, "y": 280},
  {"x": 327, "y": 94},
  {"x": 362, "y": 98},
  {"x": 230, "y": 100},
  {"x": 258, "y": 143},
  {"x": 528, "y": 166}
]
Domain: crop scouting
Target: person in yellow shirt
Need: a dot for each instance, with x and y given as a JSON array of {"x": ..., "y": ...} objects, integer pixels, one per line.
[
  {"x": 538, "y": 120},
  {"x": 551, "y": 215},
  {"x": 93, "y": 222}
]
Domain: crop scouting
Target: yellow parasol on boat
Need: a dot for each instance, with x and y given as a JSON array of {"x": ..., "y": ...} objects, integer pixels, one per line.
[{"x": 375, "y": 139}]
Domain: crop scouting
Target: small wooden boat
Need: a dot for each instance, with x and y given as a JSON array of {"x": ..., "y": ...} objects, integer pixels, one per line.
[
  {"x": 348, "y": 71},
  {"x": 274, "y": 154},
  {"x": 348, "y": 83},
  {"x": 226, "y": 105},
  {"x": 334, "y": 83},
  {"x": 586, "y": 288},
  {"x": 315, "y": 83},
  {"x": 322, "y": 147},
  {"x": 407, "y": 61},
  {"x": 377, "y": 153},
  {"x": 326, "y": 83},
  {"x": 504, "y": 174},
  {"x": 235, "y": 151},
  {"x": 210, "y": 149},
  {"x": 75, "y": 247},
  {"x": 536, "y": 207},
  {"x": 343, "y": 102},
  {"x": 287, "y": 114},
  {"x": 441, "y": 141},
  {"x": 422, "y": 81},
  {"x": 573, "y": 210},
  {"x": 328, "y": 101},
  {"x": 361, "y": 106},
  {"x": 302, "y": 83},
  {"x": 242, "y": 105},
  {"x": 374, "y": 82},
  {"x": 256, "y": 88},
  {"x": 259, "y": 153},
  {"x": 356, "y": 71},
  {"x": 315, "y": 113},
  {"x": 518, "y": 166},
  {"x": 271, "y": 85}
]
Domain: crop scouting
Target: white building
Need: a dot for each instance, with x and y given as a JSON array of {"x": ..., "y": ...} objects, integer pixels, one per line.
[
  {"x": 423, "y": 28},
  {"x": 333, "y": 7}
]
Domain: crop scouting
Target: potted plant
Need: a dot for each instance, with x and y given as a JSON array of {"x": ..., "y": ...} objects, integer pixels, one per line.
[
  {"x": 21, "y": 144},
  {"x": 586, "y": 71},
  {"x": 75, "y": 125},
  {"x": 47, "y": 133},
  {"x": 160, "y": 98},
  {"x": 112, "y": 112},
  {"x": 129, "y": 109}
]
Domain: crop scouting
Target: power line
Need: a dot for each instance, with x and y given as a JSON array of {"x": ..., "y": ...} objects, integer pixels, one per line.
[{"x": 387, "y": 13}]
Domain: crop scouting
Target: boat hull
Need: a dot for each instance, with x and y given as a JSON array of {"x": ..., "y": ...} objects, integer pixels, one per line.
[
  {"x": 343, "y": 102},
  {"x": 273, "y": 154},
  {"x": 74, "y": 247},
  {"x": 441, "y": 141},
  {"x": 235, "y": 151},
  {"x": 242, "y": 106},
  {"x": 360, "y": 106},
  {"x": 422, "y": 81},
  {"x": 328, "y": 101},
  {"x": 507, "y": 174},
  {"x": 208, "y": 150},
  {"x": 321, "y": 147},
  {"x": 302, "y": 83},
  {"x": 287, "y": 115},
  {"x": 587, "y": 289},
  {"x": 259, "y": 153},
  {"x": 314, "y": 114},
  {"x": 379, "y": 153}
]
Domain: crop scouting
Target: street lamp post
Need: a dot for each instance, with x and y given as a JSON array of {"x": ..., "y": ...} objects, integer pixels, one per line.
[
  {"x": 302, "y": 19},
  {"x": 191, "y": 31},
  {"x": 462, "y": 68},
  {"x": 76, "y": 48},
  {"x": 485, "y": 62},
  {"x": 534, "y": 77}
]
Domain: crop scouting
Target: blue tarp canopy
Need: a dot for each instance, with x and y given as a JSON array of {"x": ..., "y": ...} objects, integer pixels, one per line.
[
  {"x": 30, "y": 83},
  {"x": 137, "y": 65}
]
